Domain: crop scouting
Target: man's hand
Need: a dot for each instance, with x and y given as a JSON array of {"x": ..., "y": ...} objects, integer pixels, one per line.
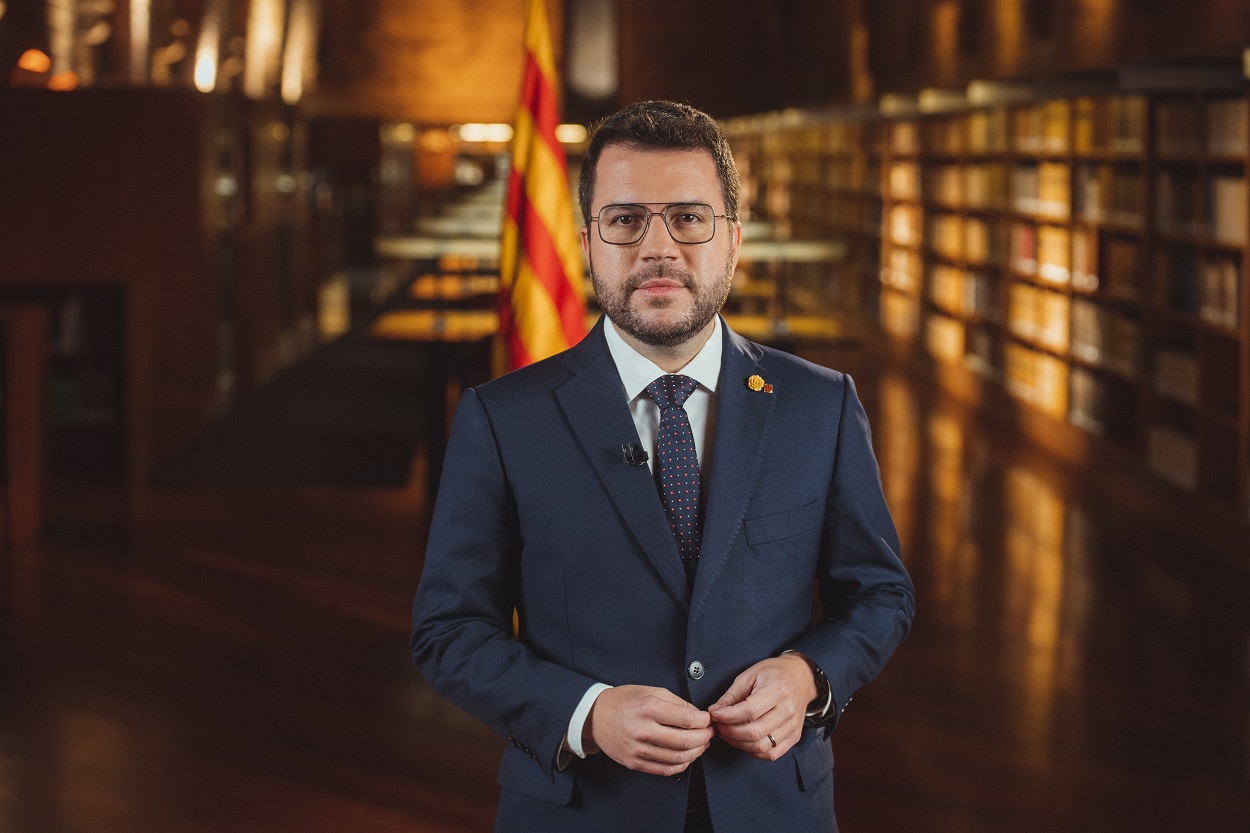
[
  {"x": 647, "y": 729},
  {"x": 769, "y": 698}
]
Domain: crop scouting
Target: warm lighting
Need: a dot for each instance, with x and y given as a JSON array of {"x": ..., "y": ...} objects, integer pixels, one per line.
[
  {"x": 483, "y": 132},
  {"x": 935, "y": 100},
  {"x": 226, "y": 186},
  {"x": 571, "y": 134},
  {"x": 896, "y": 104},
  {"x": 592, "y": 63},
  {"x": 208, "y": 49},
  {"x": 3, "y": 8},
  {"x": 33, "y": 60},
  {"x": 140, "y": 39},
  {"x": 397, "y": 134},
  {"x": 63, "y": 81},
  {"x": 61, "y": 29},
  {"x": 264, "y": 46},
  {"x": 298, "y": 66}
]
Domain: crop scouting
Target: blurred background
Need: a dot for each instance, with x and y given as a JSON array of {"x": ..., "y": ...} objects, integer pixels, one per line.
[{"x": 249, "y": 259}]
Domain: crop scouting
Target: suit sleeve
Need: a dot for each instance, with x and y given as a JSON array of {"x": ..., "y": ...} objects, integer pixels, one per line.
[
  {"x": 867, "y": 599},
  {"x": 462, "y": 637}
]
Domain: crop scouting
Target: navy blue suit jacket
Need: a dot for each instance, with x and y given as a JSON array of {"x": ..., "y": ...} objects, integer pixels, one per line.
[{"x": 537, "y": 511}]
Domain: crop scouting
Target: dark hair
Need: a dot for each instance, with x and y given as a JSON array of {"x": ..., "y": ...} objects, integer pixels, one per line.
[{"x": 661, "y": 125}]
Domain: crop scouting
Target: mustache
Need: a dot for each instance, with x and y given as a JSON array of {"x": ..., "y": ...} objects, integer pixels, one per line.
[{"x": 657, "y": 271}]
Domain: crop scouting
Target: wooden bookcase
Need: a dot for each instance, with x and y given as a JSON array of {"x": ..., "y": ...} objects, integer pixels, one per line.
[{"x": 1084, "y": 255}]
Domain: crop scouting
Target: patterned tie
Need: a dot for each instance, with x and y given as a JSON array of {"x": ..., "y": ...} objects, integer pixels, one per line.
[{"x": 677, "y": 466}]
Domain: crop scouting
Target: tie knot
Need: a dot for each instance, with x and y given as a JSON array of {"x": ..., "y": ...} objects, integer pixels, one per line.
[{"x": 672, "y": 390}]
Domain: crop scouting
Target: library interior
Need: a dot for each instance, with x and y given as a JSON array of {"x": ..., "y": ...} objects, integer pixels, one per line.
[{"x": 250, "y": 260}]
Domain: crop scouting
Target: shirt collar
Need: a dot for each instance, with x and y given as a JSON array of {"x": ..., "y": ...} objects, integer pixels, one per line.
[{"x": 637, "y": 371}]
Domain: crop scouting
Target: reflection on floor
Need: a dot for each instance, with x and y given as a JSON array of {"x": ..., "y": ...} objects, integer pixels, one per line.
[{"x": 239, "y": 662}]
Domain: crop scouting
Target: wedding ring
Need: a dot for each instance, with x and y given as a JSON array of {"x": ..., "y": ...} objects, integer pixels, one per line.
[{"x": 773, "y": 741}]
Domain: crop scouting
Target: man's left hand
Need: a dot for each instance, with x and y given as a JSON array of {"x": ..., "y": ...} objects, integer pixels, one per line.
[{"x": 768, "y": 699}]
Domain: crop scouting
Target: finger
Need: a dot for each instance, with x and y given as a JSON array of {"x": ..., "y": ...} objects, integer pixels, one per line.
[
  {"x": 769, "y": 747},
  {"x": 675, "y": 712},
  {"x": 739, "y": 691},
  {"x": 753, "y": 708},
  {"x": 666, "y": 740}
]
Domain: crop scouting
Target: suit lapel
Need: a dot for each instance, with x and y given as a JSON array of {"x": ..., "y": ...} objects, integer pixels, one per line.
[
  {"x": 593, "y": 401},
  {"x": 742, "y": 421}
]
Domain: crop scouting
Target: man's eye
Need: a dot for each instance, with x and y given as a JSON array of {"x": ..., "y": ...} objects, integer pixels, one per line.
[{"x": 624, "y": 219}]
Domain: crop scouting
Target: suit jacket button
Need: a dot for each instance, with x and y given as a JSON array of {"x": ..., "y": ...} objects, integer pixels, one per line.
[{"x": 695, "y": 670}]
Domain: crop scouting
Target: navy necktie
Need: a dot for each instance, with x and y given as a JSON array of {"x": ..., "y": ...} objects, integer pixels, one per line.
[{"x": 676, "y": 464}]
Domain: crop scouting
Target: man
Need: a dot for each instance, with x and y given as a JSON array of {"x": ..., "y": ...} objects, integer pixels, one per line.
[{"x": 655, "y": 503}]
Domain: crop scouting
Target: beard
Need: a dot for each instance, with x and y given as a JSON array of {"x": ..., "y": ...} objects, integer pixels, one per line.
[{"x": 707, "y": 298}]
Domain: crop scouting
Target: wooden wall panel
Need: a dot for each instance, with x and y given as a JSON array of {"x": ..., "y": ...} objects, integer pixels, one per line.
[{"x": 430, "y": 61}]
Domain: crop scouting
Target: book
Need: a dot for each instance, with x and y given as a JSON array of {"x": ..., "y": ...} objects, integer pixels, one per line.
[
  {"x": 903, "y": 271},
  {"x": 1053, "y": 250},
  {"x": 905, "y": 181},
  {"x": 1054, "y": 190},
  {"x": 981, "y": 296},
  {"x": 944, "y": 338},
  {"x": 1085, "y": 259},
  {"x": 1229, "y": 216},
  {"x": 1024, "y": 248},
  {"x": 900, "y": 314},
  {"x": 1173, "y": 456},
  {"x": 1038, "y": 379},
  {"x": 946, "y": 235},
  {"x": 1176, "y": 375},
  {"x": 1025, "y": 189},
  {"x": 1177, "y": 126},
  {"x": 987, "y": 131},
  {"x": 946, "y": 288},
  {"x": 1086, "y": 401},
  {"x": 985, "y": 185},
  {"x": 1176, "y": 277},
  {"x": 983, "y": 354},
  {"x": 1218, "y": 294},
  {"x": 1227, "y": 127},
  {"x": 944, "y": 185},
  {"x": 905, "y": 225},
  {"x": 1087, "y": 331},
  {"x": 1052, "y": 320},
  {"x": 1119, "y": 267},
  {"x": 1023, "y": 310},
  {"x": 1128, "y": 123}
]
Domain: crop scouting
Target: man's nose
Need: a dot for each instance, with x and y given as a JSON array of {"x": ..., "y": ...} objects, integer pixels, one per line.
[{"x": 656, "y": 242}]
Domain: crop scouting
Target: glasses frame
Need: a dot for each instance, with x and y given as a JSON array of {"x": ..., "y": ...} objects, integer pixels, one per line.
[{"x": 662, "y": 213}]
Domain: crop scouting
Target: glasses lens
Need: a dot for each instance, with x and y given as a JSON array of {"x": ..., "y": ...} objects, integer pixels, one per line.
[
  {"x": 623, "y": 224},
  {"x": 691, "y": 222}
]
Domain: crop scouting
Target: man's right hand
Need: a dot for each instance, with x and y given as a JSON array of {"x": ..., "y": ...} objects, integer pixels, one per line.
[{"x": 647, "y": 729}]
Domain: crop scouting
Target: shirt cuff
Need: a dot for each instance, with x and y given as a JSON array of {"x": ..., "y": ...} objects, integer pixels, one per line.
[{"x": 578, "y": 721}]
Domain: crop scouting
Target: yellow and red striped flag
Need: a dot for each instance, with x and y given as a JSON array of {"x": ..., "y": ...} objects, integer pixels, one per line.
[{"x": 542, "y": 297}]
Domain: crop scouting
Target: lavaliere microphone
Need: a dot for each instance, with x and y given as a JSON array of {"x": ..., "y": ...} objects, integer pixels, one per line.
[{"x": 632, "y": 454}]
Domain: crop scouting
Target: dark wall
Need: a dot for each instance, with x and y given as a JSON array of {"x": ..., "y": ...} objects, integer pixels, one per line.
[{"x": 733, "y": 57}]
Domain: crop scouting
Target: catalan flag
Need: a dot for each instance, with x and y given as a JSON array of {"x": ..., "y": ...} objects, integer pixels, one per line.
[{"x": 542, "y": 298}]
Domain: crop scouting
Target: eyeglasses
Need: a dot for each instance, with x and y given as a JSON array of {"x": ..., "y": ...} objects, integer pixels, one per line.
[{"x": 626, "y": 223}]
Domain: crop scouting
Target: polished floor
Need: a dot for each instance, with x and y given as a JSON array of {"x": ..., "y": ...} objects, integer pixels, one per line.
[{"x": 235, "y": 660}]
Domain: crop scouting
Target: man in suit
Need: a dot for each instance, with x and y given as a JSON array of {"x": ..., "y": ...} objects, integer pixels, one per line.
[{"x": 656, "y": 504}]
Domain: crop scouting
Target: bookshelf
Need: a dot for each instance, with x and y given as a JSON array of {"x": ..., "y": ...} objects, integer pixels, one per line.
[{"x": 1085, "y": 255}]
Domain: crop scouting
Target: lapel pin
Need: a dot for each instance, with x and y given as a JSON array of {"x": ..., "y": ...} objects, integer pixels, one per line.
[{"x": 757, "y": 384}]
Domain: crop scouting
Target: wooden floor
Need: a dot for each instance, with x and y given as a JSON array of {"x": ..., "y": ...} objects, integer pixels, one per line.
[{"x": 237, "y": 661}]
